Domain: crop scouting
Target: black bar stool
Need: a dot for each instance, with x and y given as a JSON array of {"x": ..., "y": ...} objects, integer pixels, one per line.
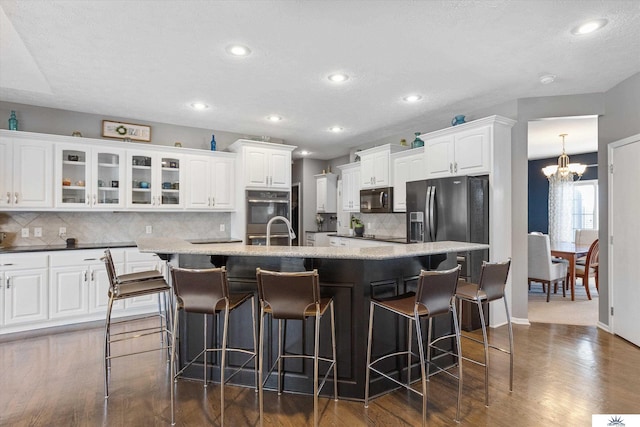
[
  {"x": 493, "y": 279},
  {"x": 132, "y": 285},
  {"x": 434, "y": 296},
  {"x": 206, "y": 291},
  {"x": 287, "y": 296}
]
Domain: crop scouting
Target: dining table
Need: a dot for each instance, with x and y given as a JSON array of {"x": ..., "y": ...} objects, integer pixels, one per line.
[{"x": 571, "y": 252}]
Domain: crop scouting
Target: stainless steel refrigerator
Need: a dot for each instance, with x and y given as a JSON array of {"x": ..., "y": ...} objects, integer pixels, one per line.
[{"x": 451, "y": 209}]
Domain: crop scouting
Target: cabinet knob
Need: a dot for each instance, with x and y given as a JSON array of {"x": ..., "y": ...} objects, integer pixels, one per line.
[
  {"x": 8, "y": 197},
  {"x": 455, "y": 167},
  {"x": 15, "y": 200},
  {"x": 8, "y": 282},
  {"x": 213, "y": 201},
  {"x": 450, "y": 167}
]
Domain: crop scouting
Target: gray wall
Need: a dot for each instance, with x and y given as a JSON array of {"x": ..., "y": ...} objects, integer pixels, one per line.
[{"x": 621, "y": 120}]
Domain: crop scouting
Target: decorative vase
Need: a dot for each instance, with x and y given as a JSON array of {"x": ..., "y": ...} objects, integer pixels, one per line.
[
  {"x": 359, "y": 230},
  {"x": 13, "y": 121},
  {"x": 417, "y": 142},
  {"x": 457, "y": 120},
  {"x": 213, "y": 142}
]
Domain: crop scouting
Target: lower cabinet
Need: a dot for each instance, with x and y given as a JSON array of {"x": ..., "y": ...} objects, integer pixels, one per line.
[
  {"x": 24, "y": 289},
  {"x": 44, "y": 289}
]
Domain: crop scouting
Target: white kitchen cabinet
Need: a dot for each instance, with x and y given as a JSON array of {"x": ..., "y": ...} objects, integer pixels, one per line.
[
  {"x": 350, "y": 187},
  {"x": 154, "y": 180},
  {"x": 24, "y": 282},
  {"x": 136, "y": 261},
  {"x": 79, "y": 283},
  {"x": 89, "y": 177},
  {"x": 26, "y": 175},
  {"x": 375, "y": 166},
  {"x": 464, "y": 150},
  {"x": 406, "y": 166},
  {"x": 210, "y": 182},
  {"x": 264, "y": 165},
  {"x": 326, "y": 197}
]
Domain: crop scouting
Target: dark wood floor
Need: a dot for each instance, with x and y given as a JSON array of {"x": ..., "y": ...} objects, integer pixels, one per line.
[{"x": 563, "y": 374}]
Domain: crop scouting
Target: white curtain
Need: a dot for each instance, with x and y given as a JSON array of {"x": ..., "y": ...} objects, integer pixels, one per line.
[{"x": 561, "y": 208}]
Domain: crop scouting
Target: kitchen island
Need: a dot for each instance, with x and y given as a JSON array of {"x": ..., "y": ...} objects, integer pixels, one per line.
[{"x": 350, "y": 275}]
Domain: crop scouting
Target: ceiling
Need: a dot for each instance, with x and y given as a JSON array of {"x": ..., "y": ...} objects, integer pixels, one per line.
[{"x": 149, "y": 60}]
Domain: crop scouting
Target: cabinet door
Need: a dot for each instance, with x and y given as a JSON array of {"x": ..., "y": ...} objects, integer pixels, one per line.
[
  {"x": 6, "y": 173},
  {"x": 439, "y": 156},
  {"x": 223, "y": 185},
  {"x": 280, "y": 169},
  {"x": 472, "y": 151},
  {"x": 68, "y": 291},
  {"x": 139, "y": 180},
  {"x": 99, "y": 289},
  {"x": 256, "y": 167},
  {"x": 321, "y": 194},
  {"x": 32, "y": 174},
  {"x": 367, "y": 172},
  {"x": 108, "y": 172},
  {"x": 400, "y": 177},
  {"x": 25, "y": 296},
  {"x": 198, "y": 182},
  {"x": 381, "y": 169},
  {"x": 167, "y": 185},
  {"x": 73, "y": 175}
]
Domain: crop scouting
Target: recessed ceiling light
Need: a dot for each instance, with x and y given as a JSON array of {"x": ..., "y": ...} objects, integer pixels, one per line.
[
  {"x": 412, "y": 98},
  {"x": 547, "y": 78},
  {"x": 238, "y": 50},
  {"x": 589, "y": 27},
  {"x": 336, "y": 129},
  {"x": 199, "y": 106},
  {"x": 338, "y": 77},
  {"x": 274, "y": 118},
  {"x": 305, "y": 153}
]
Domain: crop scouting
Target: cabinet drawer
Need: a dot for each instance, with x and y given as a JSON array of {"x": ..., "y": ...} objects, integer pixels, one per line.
[
  {"x": 75, "y": 257},
  {"x": 24, "y": 261}
]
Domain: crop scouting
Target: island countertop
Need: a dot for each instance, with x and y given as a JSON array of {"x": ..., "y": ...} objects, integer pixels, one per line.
[{"x": 171, "y": 245}]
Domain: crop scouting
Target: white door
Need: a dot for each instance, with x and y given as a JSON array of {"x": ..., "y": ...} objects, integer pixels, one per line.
[{"x": 624, "y": 253}]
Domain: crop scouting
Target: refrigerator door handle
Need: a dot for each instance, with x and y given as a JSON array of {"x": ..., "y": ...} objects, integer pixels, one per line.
[
  {"x": 427, "y": 213},
  {"x": 432, "y": 214}
]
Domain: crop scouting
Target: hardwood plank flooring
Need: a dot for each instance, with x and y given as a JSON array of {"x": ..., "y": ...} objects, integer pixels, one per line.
[{"x": 563, "y": 374}]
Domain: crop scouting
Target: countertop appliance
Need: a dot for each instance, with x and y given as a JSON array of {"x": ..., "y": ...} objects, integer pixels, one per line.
[
  {"x": 262, "y": 206},
  {"x": 454, "y": 208},
  {"x": 376, "y": 200}
]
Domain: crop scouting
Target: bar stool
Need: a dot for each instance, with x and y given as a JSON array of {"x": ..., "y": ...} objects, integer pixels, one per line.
[
  {"x": 206, "y": 291},
  {"x": 132, "y": 285},
  {"x": 493, "y": 279},
  {"x": 434, "y": 296},
  {"x": 287, "y": 296}
]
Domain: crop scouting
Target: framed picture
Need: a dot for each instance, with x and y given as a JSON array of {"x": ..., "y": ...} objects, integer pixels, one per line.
[{"x": 126, "y": 130}]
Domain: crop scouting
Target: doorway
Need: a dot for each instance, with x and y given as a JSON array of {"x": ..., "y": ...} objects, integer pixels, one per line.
[{"x": 544, "y": 146}]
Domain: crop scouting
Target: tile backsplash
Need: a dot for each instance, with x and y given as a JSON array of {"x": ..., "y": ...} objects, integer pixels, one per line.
[
  {"x": 392, "y": 224},
  {"x": 108, "y": 227}
]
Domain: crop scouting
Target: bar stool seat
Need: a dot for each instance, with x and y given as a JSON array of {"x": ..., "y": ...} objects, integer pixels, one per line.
[
  {"x": 206, "y": 292},
  {"x": 294, "y": 296},
  {"x": 132, "y": 285},
  {"x": 434, "y": 297},
  {"x": 493, "y": 279}
]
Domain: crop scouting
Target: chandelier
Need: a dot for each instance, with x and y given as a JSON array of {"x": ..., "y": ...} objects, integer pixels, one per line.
[{"x": 564, "y": 170}]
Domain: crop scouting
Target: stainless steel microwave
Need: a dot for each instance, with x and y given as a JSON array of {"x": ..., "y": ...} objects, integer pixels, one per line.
[{"x": 376, "y": 200}]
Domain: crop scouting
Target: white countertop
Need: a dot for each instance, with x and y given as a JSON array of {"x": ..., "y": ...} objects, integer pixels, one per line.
[{"x": 170, "y": 245}]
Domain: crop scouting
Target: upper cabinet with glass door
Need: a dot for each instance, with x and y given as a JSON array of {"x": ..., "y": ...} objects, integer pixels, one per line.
[
  {"x": 89, "y": 177},
  {"x": 154, "y": 180}
]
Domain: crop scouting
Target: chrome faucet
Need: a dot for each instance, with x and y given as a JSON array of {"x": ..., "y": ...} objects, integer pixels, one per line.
[
  {"x": 2, "y": 236},
  {"x": 292, "y": 234}
]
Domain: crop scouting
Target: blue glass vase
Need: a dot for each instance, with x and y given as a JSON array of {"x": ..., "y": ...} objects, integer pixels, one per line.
[
  {"x": 417, "y": 142},
  {"x": 13, "y": 121},
  {"x": 213, "y": 142}
]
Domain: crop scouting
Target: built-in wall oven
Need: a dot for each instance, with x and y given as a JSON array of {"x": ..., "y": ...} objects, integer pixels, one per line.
[{"x": 261, "y": 207}]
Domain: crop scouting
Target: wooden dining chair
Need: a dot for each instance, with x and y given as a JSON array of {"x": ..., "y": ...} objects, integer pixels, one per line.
[{"x": 590, "y": 267}]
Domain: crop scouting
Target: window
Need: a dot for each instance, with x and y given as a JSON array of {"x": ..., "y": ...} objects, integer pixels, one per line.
[{"x": 585, "y": 204}]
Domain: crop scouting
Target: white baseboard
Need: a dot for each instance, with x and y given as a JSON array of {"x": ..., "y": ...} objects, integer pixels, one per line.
[
  {"x": 520, "y": 321},
  {"x": 604, "y": 327}
]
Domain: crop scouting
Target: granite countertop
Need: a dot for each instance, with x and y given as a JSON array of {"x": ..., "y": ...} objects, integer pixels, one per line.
[
  {"x": 374, "y": 237},
  {"x": 111, "y": 245},
  {"x": 168, "y": 245}
]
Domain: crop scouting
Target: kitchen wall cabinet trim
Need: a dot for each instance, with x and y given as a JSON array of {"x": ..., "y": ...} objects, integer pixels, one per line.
[
  {"x": 264, "y": 165},
  {"x": 326, "y": 196}
]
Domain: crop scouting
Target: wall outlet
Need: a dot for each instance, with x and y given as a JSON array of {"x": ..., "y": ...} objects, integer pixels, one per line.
[
  {"x": 62, "y": 232},
  {"x": 37, "y": 232},
  {"x": 221, "y": 227},
  {"x": 25, "y": 232},
  {"x": 148, "y": 229}
]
